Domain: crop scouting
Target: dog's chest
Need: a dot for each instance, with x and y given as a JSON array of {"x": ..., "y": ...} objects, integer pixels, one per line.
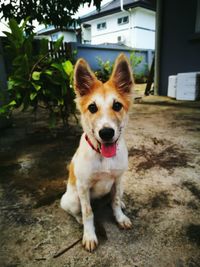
[
  {"x": 112, "y": 167},
  {"x": 104, "y": 173},
  {"x": 101, "y": 184}
]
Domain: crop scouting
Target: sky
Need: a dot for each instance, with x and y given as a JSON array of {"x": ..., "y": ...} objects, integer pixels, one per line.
[{"x": 82, "y": 11}]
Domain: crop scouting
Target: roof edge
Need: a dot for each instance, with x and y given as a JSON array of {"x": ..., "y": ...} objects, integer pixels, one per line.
[{"x": 117, "y": 9}]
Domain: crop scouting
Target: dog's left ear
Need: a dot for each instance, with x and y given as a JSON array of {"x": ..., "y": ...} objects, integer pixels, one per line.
[
  {"x": 84, "y": 78},
  {"x": 122, "y": 76}
]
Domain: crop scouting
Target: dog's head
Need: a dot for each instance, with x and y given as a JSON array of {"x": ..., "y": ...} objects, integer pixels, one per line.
[{"x": 104, "y": 106}]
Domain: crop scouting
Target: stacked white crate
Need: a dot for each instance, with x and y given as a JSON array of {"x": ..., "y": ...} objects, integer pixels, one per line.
[
  {"x": 172, "y": 81},
  {"x": 188, "y": 86}
]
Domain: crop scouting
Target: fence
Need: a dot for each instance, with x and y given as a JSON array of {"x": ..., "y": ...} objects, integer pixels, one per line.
[{"x": 65, "y": 51}]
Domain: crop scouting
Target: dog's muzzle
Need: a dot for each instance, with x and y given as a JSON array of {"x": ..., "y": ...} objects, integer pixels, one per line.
[
  {"x": 106, "y": 134},
  {"x": 108, "y": 148}
]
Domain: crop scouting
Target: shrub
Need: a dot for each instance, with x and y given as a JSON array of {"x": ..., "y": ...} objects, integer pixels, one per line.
[
  {"x": 38, "y": 80},
  {"x": 106, "y": 67}
]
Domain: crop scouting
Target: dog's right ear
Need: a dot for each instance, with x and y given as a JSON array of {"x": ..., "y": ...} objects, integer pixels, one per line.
[
  {"x": 84, "y": 78},
  {"x": 122, "y": 76}
]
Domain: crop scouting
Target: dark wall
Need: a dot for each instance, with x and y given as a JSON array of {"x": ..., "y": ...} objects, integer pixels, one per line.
[{"x": 179, "y": 51}]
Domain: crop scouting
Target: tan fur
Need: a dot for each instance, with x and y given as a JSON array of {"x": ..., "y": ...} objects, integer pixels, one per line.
[{"x": 72, "y": 177}]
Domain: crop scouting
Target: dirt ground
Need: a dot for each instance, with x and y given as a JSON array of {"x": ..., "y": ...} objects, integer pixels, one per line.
[{"x": 162, "y": 193}]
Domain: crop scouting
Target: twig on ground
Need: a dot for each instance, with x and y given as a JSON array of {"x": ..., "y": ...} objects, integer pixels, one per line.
[
  {"x": 40, "y": 259},
  {"x": 59, "y": 253}
]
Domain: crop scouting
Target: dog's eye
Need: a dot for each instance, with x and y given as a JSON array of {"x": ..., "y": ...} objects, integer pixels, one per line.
[
  {"x": 117, "y": 106},
  {"x": 93, "y": 108}
]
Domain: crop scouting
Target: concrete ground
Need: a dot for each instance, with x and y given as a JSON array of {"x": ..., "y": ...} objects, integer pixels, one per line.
[{"x": 162, "y": 192}]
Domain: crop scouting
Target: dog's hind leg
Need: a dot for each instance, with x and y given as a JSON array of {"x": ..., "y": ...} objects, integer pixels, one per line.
[
  {"x": 70, "y": 203},
  {"x": 70, "y": 200}
]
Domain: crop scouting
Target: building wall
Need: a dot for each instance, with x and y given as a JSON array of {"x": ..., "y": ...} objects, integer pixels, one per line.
[
  {"x": 86, "y": 35},
  {"x": 144, "y": 27},
  {"x": 135, "y": 33},
  {"x": 112, "y": 31},
  {"x": 68, "y": 36},
  {"x": 179, "y": 51}
]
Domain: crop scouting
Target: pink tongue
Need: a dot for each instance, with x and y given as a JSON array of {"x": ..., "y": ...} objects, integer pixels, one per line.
[{"x": 108, "y": 150}]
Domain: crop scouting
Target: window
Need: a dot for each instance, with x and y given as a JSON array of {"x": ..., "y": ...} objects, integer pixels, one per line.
[
  {"x": 54, "y": 37},
  {"x": 101, "y": 26},
  {"x": 123, "y": 20},
  {"x": 119, "y": 39}
]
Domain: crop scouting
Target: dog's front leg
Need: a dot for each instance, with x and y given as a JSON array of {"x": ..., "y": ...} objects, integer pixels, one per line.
[
  {"x": 89, "y": 237},
  {"x": 123, "y": 221}
]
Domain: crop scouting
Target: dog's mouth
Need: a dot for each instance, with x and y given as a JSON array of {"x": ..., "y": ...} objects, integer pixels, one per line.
[{"x": 108, "y": 150}]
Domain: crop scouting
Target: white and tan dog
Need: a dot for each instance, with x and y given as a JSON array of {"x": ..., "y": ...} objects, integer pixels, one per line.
[{"x": 101, "y": 158}]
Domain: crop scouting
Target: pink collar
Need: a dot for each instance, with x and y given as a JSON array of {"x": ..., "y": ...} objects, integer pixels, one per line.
[{"x": 91, "y": 145}]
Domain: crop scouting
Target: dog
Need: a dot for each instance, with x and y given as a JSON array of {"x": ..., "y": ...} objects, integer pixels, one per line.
[{"x": 101, "y": 159}]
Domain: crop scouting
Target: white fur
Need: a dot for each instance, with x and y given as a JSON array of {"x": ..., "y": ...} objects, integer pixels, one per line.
[
  {"x": 96, "y": 175},
  {"x": 95, "y": 178}
]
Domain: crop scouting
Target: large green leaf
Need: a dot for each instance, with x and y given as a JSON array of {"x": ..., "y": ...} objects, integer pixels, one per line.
[
  {"x": 59, "y": 67},
  {"x": 68, "y": 67},
  {"x": 10, "y": 37},
  {"x": 16, "y": 30},
  {"x": 12, "y": 103},
  {"x": 11, "y": 84},
  {"x": 22, "y": 63},
  {"x": 24, "y": 24},
  {"x": 48, "y": 72},
  {"x": 28, "y": 47},
  {"x": 18, "y": 61},
  {"x": 36, "y": 86},
  {"x": 36, "y": 75},
  {"x": 58, "y": 43},
  {"x": 43, "y": 46},
  {"x": 33, "y": 96},
  {"x": 15, "y": 81}
]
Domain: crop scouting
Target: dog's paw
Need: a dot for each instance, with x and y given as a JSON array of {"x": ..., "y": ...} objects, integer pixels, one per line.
[
  {"x": 89, "y": 242},
  {"x": 125, "y": 222}
]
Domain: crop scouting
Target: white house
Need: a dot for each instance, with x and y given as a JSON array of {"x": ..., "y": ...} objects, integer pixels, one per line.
[
  {"x": 53, "y": 34},
  {"x": 129, "y": 22}
]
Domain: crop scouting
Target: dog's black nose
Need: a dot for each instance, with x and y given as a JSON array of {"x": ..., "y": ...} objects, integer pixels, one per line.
[{"x": 106, "y": 134}]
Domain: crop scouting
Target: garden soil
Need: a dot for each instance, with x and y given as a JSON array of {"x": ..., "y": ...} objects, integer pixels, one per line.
[{"x": 161, "y": 192}]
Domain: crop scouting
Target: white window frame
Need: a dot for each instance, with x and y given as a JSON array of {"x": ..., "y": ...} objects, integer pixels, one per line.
[
  {"x": 54, "y": 37},
  {"x": 101, "y": 26},
  {"x": 124, "y": 20}
]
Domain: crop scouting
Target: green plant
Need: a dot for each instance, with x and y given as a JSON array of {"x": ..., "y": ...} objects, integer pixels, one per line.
[
  {"x": 142, "y": 75},
  {"x": 38, "y": 80},
  {"x": 135, "y": 60},
  {"x": 106, "y": 67},
  {"x": 105, "y": 70}
]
